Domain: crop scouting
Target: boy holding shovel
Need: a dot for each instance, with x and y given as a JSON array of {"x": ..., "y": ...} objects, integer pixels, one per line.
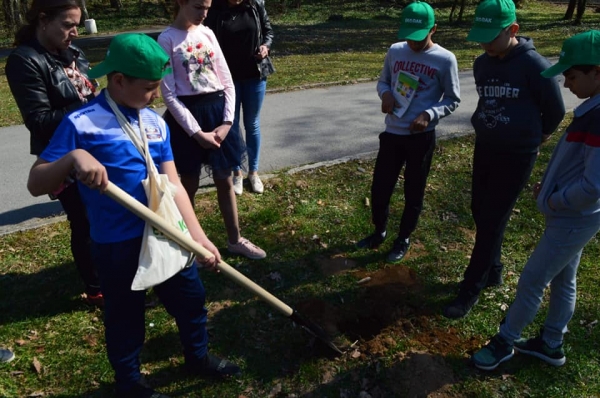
[{"x": 92, "y": 142}]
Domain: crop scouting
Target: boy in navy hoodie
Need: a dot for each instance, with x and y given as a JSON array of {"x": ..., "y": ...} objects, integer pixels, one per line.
[
  {"x": 517, "y": 110},
  {"x": 569, "y": 198}
]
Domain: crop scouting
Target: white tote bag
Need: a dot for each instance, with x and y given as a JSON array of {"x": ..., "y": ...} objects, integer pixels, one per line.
[{"x": 160, "y": 258}]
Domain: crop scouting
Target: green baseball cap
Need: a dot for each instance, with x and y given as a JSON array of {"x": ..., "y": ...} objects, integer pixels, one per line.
[
  {"x": 136, "y": 55},
  {"x": 581, "y": 49},
  {"x": 416, "y": 21},
  {"x": 491, "y": 16}
]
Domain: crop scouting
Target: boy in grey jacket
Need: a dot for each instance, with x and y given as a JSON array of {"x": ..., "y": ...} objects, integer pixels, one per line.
[
  {"x": 569, "y": 198},
  {"x": 418, "y": 86}
]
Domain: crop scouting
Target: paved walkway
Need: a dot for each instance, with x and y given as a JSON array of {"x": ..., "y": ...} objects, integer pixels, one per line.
[{"x": 298, "y": 128}]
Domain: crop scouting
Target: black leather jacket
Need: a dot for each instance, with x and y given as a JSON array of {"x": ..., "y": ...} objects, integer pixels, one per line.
[
  {"x": 265, "y": 34},
  {"x": 42, "y": 90}
]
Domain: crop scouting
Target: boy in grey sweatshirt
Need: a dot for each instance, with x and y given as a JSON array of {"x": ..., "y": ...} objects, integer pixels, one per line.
[
  {"x": 418, "y": 86},
  {"x": 569, "y": 198}
]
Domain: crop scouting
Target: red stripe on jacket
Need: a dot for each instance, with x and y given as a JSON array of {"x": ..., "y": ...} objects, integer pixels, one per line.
[{"x": 589, "y": 139}]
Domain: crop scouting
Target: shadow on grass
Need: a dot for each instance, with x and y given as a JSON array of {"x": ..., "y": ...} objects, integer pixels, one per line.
[{"x": 53, "y": 290}]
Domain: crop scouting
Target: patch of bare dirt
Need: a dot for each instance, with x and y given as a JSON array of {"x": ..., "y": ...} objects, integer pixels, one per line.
[
  {"x": 390, "y": 308},
  {"x": 335, "y": 264}
]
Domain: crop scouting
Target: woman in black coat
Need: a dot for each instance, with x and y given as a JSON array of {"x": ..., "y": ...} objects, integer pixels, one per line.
[
  {"x": 245, "y": 35},
  {"x": 47, "y": 76}
]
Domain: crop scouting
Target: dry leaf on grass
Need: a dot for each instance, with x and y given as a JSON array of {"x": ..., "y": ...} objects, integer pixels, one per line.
[{"x": 37, "y": 365}]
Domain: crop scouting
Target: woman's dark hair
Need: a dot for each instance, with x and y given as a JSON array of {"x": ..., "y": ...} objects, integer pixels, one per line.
[
  {"x": 581, "y": 68},
  {"x": 46, "y": 9}
]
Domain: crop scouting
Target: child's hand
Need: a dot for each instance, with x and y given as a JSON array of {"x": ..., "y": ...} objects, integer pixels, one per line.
[
  {"x": 388, "y": 102},
  {"x": 537, "y": 187},
  {"x": 207, "y": 140},
  {"x": 420, "y": 123},
  {"x": 210, "y": 263},
  {"x": 222, "y": 131},
  {"x": 89, "y": 171}
]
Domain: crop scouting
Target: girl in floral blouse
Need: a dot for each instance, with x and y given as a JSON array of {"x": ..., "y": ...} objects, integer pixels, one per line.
[{"x": 200, "y": 100}]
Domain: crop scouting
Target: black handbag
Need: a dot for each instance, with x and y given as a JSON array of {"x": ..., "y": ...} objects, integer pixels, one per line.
[{"x": 265, "y": 67}]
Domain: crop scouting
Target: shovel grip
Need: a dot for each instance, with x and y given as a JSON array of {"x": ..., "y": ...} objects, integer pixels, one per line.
[{"x": 188, "y": 243}]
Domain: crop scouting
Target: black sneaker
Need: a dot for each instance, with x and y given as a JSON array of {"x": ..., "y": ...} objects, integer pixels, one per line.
[
  {"x": 495, "y": 277},
  {"x": 493, "y": 354},
  {"x": 539, "y": 349},
  {"x": 398, "y": 251},
  {"x": 140, "y": 390},
  {"x": 212, "y": 366},
  {"x": 460, "y": 306},
  {"x": 372, "y": 241}
]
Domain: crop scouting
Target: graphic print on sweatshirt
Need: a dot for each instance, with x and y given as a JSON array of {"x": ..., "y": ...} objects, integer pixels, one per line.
[
  {"x": 494, "y": 94},
  {"x": 197, "y": 59},
  {"x": 415, "y": 68}
]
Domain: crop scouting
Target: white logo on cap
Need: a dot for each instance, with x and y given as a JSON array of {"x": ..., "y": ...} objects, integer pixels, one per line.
[
  {"x": 482, "y": 19},
  {"x": 413, "y": 20}
]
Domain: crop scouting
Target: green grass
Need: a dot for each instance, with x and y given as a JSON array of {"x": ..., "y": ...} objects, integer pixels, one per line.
[
  {"x": 306, "y": 221},
  {"x": 312, "y": 48}
]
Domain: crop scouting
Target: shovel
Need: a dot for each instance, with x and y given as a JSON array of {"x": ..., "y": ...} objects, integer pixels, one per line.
[{"x": 187, "y": 243}]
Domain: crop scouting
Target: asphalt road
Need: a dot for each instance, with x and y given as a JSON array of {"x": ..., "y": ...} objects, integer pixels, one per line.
[{"x": 298, "y": 128}]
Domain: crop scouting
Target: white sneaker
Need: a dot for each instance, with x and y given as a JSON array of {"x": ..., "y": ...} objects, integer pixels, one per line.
[
  {"x": 256, "y": 183},
  {"x": 238, "y": 184},
  {"x": 6, "y": 356}
]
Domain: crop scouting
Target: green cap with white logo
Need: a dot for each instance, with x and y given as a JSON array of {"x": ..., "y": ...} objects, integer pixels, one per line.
[
  {"x": 581, "y": 49},
  {"x": 491, "y": 16},
  {"x": 136, "y": 55},
  {"x": 416, "y": 21}
]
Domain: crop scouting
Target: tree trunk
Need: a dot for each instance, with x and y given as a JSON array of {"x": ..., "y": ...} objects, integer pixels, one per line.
[
  {"x": 580, "y": 10},
  {"x": 451, "y": 17},
  {"x": 462, "y": 9},
  {"x": 14, "y": 10},
  {"x": 118, "y": 4},
  {"x": 84, "y": 12},
  {"x": 570, "y": 10}
]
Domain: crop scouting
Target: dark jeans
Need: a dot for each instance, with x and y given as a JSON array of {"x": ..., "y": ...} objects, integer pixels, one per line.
[
  {"x": 498, "y": 179},
  {"x": 80, "y": 237},
  {"x": 416, "y": 151},
  {"x": 183, "y": 296}
]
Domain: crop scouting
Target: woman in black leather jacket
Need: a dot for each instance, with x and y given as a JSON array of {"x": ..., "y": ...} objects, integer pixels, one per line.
[
  {"x": 48, "y": 78},
  {"x": 245, "y": 35}
]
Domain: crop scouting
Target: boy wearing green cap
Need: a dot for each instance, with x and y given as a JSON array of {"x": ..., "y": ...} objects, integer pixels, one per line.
[
  {"x": 517, "y": 110},
  {"x": 418, "y": 86},
  {"x": 92, "y": 142},
  {"x": 569, "y": 198}
]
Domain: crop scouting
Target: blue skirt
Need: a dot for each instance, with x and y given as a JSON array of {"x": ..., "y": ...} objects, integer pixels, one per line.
[{"x": 189, "y": 156}]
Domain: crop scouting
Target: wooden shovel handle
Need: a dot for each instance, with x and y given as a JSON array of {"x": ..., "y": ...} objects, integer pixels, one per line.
[{"x": 188, "y": 243}]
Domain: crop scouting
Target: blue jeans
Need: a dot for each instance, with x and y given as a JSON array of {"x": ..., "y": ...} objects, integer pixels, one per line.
[
  {"x": 554, "y": 262},
  {"x": 124, "y": 309},
  {"x": 249, "y": 96}
]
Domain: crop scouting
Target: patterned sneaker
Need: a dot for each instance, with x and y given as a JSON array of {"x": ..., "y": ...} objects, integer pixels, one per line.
[
  {"x": 493, "y": 354},
  {"x": 539, "y": 349},
  {"x": 6, "y": 355},
  {"x": 256, "y": 183},
  {"x": 247, "y": 249},
  {"x": 238, "y": 184}
]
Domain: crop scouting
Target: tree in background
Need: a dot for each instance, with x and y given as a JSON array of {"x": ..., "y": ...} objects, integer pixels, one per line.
[
  {"x": 14, "y": 13},
  {"x": 580, "y": 4}
]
